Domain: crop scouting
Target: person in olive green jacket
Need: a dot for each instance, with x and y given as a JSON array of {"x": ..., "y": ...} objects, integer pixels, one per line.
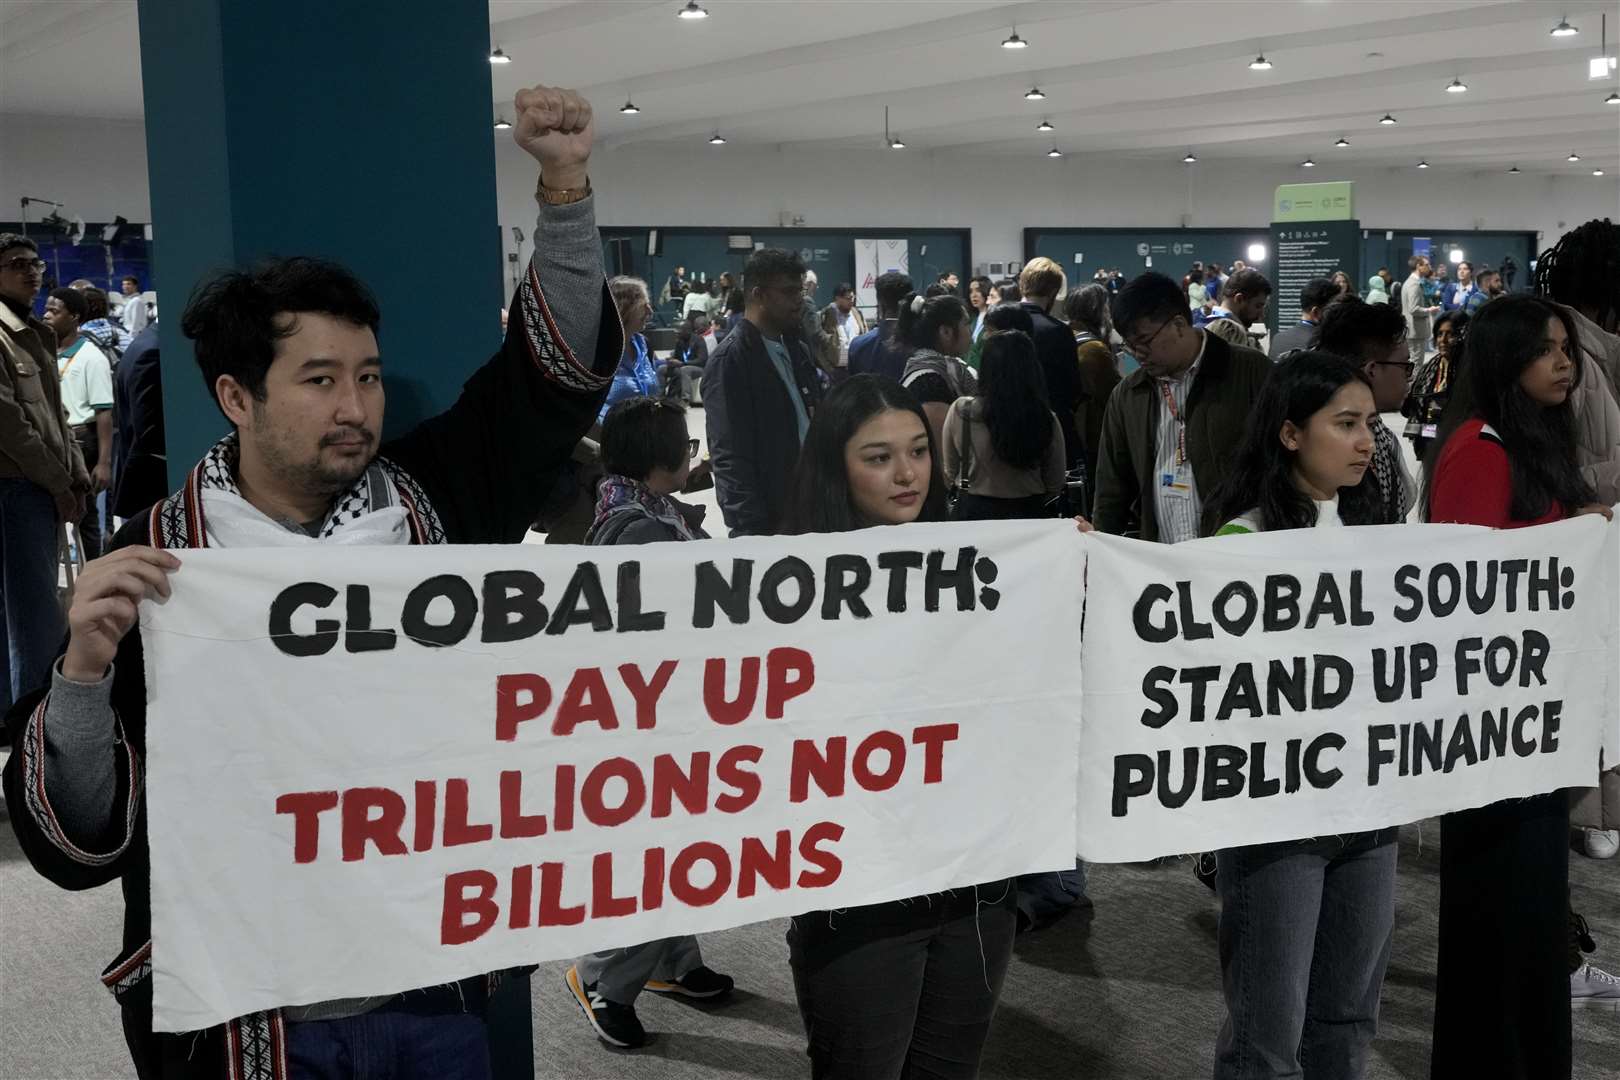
[{"x": 1171, "y": 427}]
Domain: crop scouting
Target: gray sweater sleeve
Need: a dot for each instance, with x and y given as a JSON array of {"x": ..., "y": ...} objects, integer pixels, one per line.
[
  {"x": 81, "y": 742},
  {"x": 568, "y": 262}
]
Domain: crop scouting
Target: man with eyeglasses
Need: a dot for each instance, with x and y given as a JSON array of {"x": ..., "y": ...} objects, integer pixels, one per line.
[
  {"x": 43, "y": 479},
  {"x": 1172, "y": 427},
  {"x": 1373, "y": 337},
  {"x": 759, "y": 391}
]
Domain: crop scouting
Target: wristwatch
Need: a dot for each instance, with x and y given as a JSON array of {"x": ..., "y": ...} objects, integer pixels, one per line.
[{"x": 560, "y": 196}]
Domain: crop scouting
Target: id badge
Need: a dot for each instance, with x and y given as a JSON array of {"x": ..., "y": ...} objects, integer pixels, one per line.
[{"x": 1429, "y": 431}]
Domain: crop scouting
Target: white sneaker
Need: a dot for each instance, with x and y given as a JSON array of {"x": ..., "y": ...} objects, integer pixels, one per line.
[
  {"x": 1600, "y": 843},
  {"x": 1594, "y": 988}
]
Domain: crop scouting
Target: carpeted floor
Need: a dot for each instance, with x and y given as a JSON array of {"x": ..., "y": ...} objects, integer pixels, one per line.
[{"x": 1130, "y": 992}]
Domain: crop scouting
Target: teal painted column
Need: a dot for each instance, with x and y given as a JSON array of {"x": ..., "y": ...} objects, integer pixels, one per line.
[
  {"x": 360, "y": 132},
  {"x": 355, "y": 131}
]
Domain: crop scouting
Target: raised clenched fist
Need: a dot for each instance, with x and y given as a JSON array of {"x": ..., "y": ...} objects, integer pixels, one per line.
[{"x": 555, "y": 126}]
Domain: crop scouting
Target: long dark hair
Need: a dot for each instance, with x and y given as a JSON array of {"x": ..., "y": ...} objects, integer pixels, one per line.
[
  {"x": 1503, "y": 339},
  {"x": 1263, "y": 474},
  {"x": 1013, "y": 401},
  {"x": 922, "y": 318},
  {"x": 818, "y": 499}
]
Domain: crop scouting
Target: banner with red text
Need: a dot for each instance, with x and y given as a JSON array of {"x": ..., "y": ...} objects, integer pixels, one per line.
[
  {"x": 1279, "y": 686},
  {"x": 375, "y": 769}
]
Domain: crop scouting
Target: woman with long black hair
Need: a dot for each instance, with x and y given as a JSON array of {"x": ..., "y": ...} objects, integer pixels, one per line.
[
  {"x": 1431, "y": 386},
  {"x": 1305, "y": 925},
  {"x": 903, "y": 989},
  {"x": 1506, "y": 457},
  {"x": 937, "y": 333},
  {"x": 1004, "y": 449}
]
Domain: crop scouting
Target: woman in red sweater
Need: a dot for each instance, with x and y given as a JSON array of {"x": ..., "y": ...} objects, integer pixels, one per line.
[{"x": 1507, "y": 460}]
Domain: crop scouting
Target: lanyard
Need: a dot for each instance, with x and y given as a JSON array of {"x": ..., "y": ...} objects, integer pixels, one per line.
[
  {"x": 1176, "y": 418},
  {"x": 77, "y": 346}
]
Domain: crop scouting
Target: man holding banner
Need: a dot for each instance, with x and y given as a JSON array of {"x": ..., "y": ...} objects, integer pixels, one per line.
[{"x": 290, "y": 352}]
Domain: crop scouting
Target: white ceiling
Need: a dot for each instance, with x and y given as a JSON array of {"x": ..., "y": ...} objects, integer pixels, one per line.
[{"x": 1145, "y": 79}]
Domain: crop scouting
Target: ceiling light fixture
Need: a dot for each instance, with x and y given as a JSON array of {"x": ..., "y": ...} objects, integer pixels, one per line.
[
  {"x": 692, "y": 11},
  {"x": 1612, "y": 99},
  {"x": 1423, "y": 164},
  {"x": 892, "y": 139},
  {"x": 629, "y": 108},
  {"x": 1190, "y": 158},
  {"x": 1045, "y": 125},
  {"x": 1457, "y": 86},
  {"x": 1563, "y": 29},
  {"x": 896, "y": 144},
  {"x": 1307, "y": 164},
  {"x": 1034, "y": 93},
  {"x": 1573, "y": 157},
  {"x": 502, "y": 123},
  {"x": 1260, "y": 63},
  {"x": 1597, "y": 172},
  {"x": 1386, "y": 119},
  {"x": 1014, "y": 41},
  {"x": 717, "y": 139},
  {"x": 1513, "y": 171},
  {"x": 1054, "y": 152},
  {"x": 1602, "y": 64},
  {"x": 1342, "y": 143},
  {"x": 496, "y": 56}
]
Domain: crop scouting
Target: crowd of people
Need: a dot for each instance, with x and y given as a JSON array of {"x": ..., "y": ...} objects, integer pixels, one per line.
[{"x": 1140, "y": 408}]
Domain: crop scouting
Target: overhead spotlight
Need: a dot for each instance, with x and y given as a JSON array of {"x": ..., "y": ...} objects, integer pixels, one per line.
[
  {"x": 1054, "y": 153},
  {"x": 717, "y": 139},
  {"x": 1013, "y": 41},
  {"x": 496, "y": 56},
  {"x": 1260, "y": 63},
  {"x": 1045, "y": 125},
  {"x": 629, "y": 108},
  {"x": 1342, "y": 143},
  {"x": 1034, "y": 93},
  {"x": 692, "y": 11},
  {"x": 1423, "y": 165},
  {"x": 1190, "y": 158},
  {"x": 1386, "y": 119},
  {"x": 1597, "y": 172},
  {"x": 502, "y": 123},
  {"x": 896, "y": 144},
  {"x": 1612, "y": 99},
  {"x": 1307, "y": 164},
  {"x": 1563, "y": 29},
  {"x": 1514, "y": 171},
  {"x": 1573, "y": 157},
  {"x": 1457, "y": 86}
]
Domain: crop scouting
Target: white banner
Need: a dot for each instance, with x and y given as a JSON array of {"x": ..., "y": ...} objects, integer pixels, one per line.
[
  {"x": 1247, "y": 689},
  {"x": 873, "y": 258},
  {"x": 383, "y": 768}
]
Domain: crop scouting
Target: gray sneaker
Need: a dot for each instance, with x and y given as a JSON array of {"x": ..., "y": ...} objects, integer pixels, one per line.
[{"x": 1594, "y": 988}]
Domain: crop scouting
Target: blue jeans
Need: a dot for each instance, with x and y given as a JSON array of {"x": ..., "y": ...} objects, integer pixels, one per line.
[
  {"x": 33, "y": 625},
  {"x": 1304, "y": 940},
  {"x": 389, "y": 1045}
]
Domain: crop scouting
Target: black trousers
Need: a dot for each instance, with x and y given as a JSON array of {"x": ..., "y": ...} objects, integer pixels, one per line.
[
  {"x": 1501, "y": 1008},
  {"x": 906, "y": 990},
  {"x": 985, "y": 508},
  {"x": 89, "y": 526}
]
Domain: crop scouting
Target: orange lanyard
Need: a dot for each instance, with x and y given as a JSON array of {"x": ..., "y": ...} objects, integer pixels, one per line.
[{"x": 1176, "y": 418}]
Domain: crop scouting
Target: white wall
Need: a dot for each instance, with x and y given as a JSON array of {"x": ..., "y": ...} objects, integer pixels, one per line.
[
  {"x": 99, "y": 169},
  {"x": 96, "y": 167}
]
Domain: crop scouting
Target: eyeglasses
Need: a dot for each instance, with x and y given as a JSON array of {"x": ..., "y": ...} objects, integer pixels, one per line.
[
  {"x": 1140, "y": 349},
  {"x": 1409, "y": 365},
  {"x": 22, "y": 264}
]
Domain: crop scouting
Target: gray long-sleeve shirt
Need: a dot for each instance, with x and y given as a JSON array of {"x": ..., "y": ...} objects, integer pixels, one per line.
[{"x": 80, "y": 730}]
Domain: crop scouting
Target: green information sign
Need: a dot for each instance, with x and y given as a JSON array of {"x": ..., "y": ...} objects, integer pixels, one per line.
[
  {"x": 1334, "y": 201},
  {"x": 1313, "y": 233}
]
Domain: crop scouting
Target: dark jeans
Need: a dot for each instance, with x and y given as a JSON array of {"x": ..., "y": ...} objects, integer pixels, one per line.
[
  {"x": 390, "y": 1045},
  {"x": 89, "y": 527},
  {"x": 1501, "y": 1007},
  {"x": 905, "y": 990},
  {"x": 984, "y": 508},
  {"x": 31, "y": 622},
  {"x": 1305, "y": 936}
]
